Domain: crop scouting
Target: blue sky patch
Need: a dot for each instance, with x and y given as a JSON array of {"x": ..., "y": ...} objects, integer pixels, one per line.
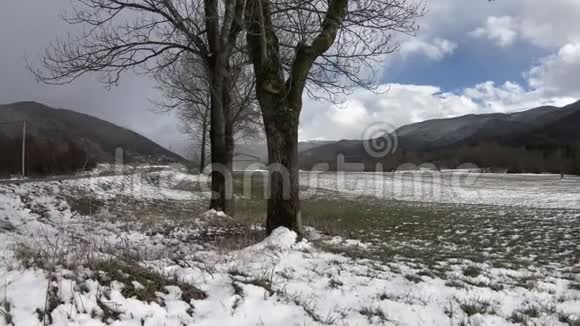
[{"x": 473, "y": 62}]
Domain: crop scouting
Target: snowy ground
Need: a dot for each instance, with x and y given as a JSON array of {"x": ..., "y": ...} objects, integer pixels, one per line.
[
  {"x": 540, "y": 191},
  {"x": 139, "y": 251}
]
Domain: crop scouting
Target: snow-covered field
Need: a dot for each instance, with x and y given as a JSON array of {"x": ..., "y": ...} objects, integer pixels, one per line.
[
  {"x": 131, "y": 250},
  {"x": 540, "y": 191}
]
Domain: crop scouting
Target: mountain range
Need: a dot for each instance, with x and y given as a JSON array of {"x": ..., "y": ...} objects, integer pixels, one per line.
[
  {"x": 538, "y": 127},
  {"x": 259, "y": 151},
  {"x": 97, "y": 137},
  {"x": 545, "y": 130}
]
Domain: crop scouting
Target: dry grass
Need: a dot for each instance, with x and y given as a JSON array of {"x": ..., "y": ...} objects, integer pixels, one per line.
[
  {"x": 150, "y": 282},
  {"x": 372, "y": 312},
  {"x": 5, "y": 313},
  {"x": 477, "y": 306},
  {"x": 87, "y": 260}
]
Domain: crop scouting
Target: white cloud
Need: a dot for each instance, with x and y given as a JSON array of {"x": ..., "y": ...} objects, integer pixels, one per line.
[
  {"x": 558, "y": 73},
  {"x": 501, "y": 30},
  {"x": 435, "y": 49},
  {"x": 398, "y": 105},
  {"x": 549, "y": 24},
  {"x": 510, "y": 97},
  {"x": 546, "y": 24}
]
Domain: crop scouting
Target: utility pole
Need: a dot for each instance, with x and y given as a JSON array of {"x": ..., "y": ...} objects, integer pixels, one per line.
[{"x": 24, "y": 148}]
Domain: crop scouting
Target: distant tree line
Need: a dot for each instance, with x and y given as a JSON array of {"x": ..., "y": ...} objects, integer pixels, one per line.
[
  {"x": 490, "y": 157},
  {"x": 43, "y": 157}
]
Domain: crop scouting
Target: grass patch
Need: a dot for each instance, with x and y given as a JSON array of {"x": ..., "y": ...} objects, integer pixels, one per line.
[
  {"x": 236, "y": 271},
  {"x": 413, "y": 278},
  {"x": 407, "y": 298},
  {"x": 472, "y": 271},
  {"x": 455, "y": 284},
  {"x": 52, "y": 301},
  {"x": 5, "y": 312},
  {"x": 373, "y": 312},
  {"x": 265, "y": 281},
  {"x": 334, "y": 283},
  {"x": 6, "y": 226},
  {"x": 309, "y": 308},
  {"x": 479, "y": 306},
  {"x": 240, "y": 293},
  {"x": 532, "y": 311},
  {"x": 428, "y": 273},
  {"x": 529, "y": 282},
  {"x": 142, "y": 283},
  {"x": 496, "y": 286},
  {"x": 31, "y": 258},
  {"x": 574, "y": 286},
  {"x": 518, "y": 318},
  {"x": 568, "y": 319},
  {"x": 85, "y": 206}
]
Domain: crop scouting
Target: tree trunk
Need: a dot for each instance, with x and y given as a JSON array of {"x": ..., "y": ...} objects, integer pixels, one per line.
[
  {"x": 280, "y": 107},
  {"x": 221, "y": 163},
  {"x": 281, "y": 101},
  {"x": 229, "y": 133},
  {"x": 219, "y": 194},
  {"x": 203, "y": 141},
  {"x": 284, "y": 208},
  {"x": 221, "y": 41},
  {"x": 281, "y": 124}
]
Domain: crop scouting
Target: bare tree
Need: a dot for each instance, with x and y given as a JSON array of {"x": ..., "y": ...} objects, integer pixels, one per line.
[
  {"x": 186, "y": 89},
  {"x": 195, "y": 124},
  {"x": 134, "y": 34},
  {"x": 325, "y": 46}
]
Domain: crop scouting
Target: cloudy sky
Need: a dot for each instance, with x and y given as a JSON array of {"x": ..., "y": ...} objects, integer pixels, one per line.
[{"x": 468, "y": 57}]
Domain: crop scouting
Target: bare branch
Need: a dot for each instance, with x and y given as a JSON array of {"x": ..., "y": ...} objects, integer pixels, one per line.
[{"x": 123, "y": 35}]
